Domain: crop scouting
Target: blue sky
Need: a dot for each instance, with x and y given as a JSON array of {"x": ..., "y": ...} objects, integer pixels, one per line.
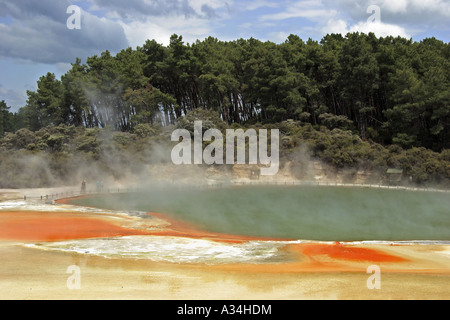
[{"x": 34, "y": 38}]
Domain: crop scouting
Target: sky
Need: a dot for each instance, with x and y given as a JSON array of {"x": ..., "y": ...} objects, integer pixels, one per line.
[{"x": 40, "y": 36}]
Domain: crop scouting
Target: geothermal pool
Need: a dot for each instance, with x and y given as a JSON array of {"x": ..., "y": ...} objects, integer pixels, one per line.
[{"x": 297, "y": 212}]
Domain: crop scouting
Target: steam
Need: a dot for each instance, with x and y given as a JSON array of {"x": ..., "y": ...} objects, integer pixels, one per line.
[{"x": 139, "y": 164}]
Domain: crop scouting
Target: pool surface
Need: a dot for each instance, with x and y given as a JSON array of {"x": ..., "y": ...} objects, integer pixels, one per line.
[{"x": 297, "y": 212}]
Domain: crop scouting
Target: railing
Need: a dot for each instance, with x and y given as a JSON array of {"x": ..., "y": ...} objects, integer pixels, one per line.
[{"x": 71, "y": 194}]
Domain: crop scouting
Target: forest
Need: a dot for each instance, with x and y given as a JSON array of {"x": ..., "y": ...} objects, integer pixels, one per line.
[{"x": 353, "y": 100}]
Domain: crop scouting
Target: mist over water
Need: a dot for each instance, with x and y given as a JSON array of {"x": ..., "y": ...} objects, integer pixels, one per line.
[{"x": 300, "y": 212}]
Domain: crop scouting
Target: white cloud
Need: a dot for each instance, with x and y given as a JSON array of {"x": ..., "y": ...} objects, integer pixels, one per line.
[
  {"x": 335, "y": 26},
  {"x": 158, "y": 20},
  {"x": 398, "y": 6},
  {"x": 309, "y": 14},
  {"x": 138, "y": 32},
  {"x": 313, "y": 10},
  {"x": 412, "y": 12},
  {"x": 380, "y": 29},
  {"x": 161, "y": 28},
  {"x": 143, "y": 9},
  {"x": 414, "y": 6},
  {"x": 278, "y": 37}
]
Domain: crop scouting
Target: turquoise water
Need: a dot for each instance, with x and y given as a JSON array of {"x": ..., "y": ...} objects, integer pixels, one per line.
[{"x": 300, "y": 212}]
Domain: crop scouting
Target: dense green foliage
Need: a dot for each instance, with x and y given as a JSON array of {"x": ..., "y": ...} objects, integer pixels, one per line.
[
  {"x": 389, "y": 90},
  {"x": 352, "y": 101}
]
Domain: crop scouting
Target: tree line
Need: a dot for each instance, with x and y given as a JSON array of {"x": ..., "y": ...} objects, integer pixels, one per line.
[{"x": 387, "y": 90}]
